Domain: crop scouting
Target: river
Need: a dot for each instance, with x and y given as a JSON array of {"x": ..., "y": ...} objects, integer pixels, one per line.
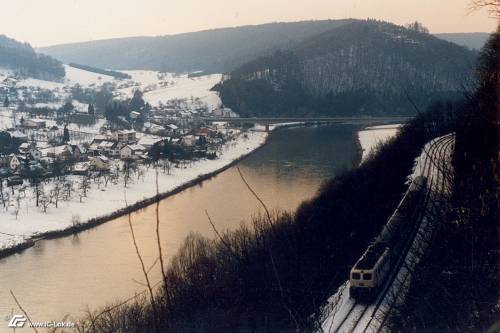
[{"x": 71, "y": 274}]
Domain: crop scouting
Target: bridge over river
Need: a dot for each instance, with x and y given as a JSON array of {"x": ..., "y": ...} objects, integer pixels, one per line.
[{"x": 266, "y": 121}]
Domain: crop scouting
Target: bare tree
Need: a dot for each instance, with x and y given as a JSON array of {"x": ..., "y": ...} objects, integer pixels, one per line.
[
  {"x": 68, "y": 189},
  {"x": 492, "y": 6},
  {"x": 44, "y": 202},
  {"x": 55, "y": 193},
  {"x": 18, "y": 205},
  {"x": 84, "y": 186}
]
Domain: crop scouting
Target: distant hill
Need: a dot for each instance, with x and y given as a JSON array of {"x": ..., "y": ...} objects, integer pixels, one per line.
[
  {"x": 472, "y": 40},
  {"x": 218, "y": 50},
  {"x": 22, "y": 58},
  {"x": 360, "y": 68}
]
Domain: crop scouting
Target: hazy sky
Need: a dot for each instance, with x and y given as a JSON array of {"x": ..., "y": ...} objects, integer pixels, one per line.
[{"x": 47, "y": 22}]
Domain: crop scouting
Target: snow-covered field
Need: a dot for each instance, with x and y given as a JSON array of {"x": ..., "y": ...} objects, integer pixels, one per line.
[
  {"x": 161, "y": 87},
  {"x": 371, "y": 137},
  {"x": 101, "y": 201},
  {"x": 158, "y": 87}
]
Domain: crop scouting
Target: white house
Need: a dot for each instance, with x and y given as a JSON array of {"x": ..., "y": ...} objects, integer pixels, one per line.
[
  {"x": 34, "y": 123},
  {"x": 149, "y": 141},
  {"x": 125, "y": 136},
  {"x": 135, "y": 115},
  {"x": 14, "y": 162},
  {"x": 81, "y": 168},
  {"x": 18, "y": 135},
  {"x": 100, "y": 163},
  {"x": 132, "y": 152},
  {"x": 189, "y": 140}
]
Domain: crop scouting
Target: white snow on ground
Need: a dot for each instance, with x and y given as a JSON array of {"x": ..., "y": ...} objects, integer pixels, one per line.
[
  {"x": 32, "y": 221},
  {"x": 371, "y": 137},
  {"x": 36, "y": 83},
  {"x": 161, "y": 87},
  {"x": 6, "y": 120},
  {"x": 85, "y": 78},
  {"x": 157, "y": 87},
  {"x": 340, "y": 304}
]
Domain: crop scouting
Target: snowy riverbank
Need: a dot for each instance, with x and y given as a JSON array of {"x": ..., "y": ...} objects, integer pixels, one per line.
[
  {"x": 20, "y": 225},
  {"x": 370, "y": 137}
]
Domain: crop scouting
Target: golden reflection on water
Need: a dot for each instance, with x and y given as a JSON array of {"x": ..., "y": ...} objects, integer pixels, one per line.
[{"x": 63, "y": 276}]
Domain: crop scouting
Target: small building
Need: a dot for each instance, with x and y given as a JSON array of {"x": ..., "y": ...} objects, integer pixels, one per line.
[
  {"x": 62, "y": 153},
  {"x": 153, "y": 128},
  {"x": 135, "y": 115},
  {"x": 18, "y": 135},
  {"x": 110, "y": 148},
  {"x": 14, "y": 162},
  {"x": 189, "y": 140},
  {"x": 100, "y": 163},
  {"x": 220, "y": 125},
  {"x": 34, "y": 123},
  {"x": 126, "y": 136},
  {"x": 201, "y": 131},
  {"x": 132, "y": 152},
  {"x": 35, "y": 154},
  {"x": 81, "y": 168},
  {"x": 25, "y": 147},
  {"x": 149, "y": 141}
]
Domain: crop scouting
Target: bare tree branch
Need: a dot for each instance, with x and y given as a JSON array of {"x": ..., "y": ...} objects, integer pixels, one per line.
[
  {"x": 492, "y": 6},
  {"x": 23, "y": 311}
]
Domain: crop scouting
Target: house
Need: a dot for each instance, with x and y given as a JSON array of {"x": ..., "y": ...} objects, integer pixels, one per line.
[
  {"x": 172, "y": 129},
  {"x": 220, "y": 125},
  {"x": 25, "y": 148},
  {"x": 224, "y": 113},
  {"x": 14, "y": 162},
  {"x": 149, "y": 141},
  {"x": 153, "y": 128},
  {"x": 18, "y": 135},
  {"x": 201, "y": 131},
  {"x": 135, "y": 115},
  {"x": 189, "y": 140},
  {"x": 125, "y": 136},
  {"x": 81, "y": 168},
  {"x": 63, "y": 153},
  {"x": 100, "y": 163},
  {"x": 77, "y": 152},
  {"x": 105, "y": 147},
  {"x": 34, "y": 123},
  {"x": 110, "y": 148},
  {"x": 132, "y": 152},
  {"x": 35, "y": 154}
]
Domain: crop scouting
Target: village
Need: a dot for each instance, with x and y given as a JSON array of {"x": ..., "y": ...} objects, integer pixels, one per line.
[
  {"x": 28, "y": 161},
  {"x": 60, "y": 147}
]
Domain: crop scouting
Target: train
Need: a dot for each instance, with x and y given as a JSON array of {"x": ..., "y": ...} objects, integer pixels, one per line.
[{"x": 373, "y": 268}]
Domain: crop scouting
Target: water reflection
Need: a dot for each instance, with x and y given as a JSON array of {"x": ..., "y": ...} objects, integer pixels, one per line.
[{"x": 58, "y": 277}]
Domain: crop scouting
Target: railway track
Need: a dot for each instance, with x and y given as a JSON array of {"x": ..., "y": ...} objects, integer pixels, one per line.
[{"x": 359, "y": 317}]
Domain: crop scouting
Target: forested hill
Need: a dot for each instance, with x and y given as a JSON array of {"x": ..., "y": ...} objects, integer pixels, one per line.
[
  {"x": 213, "y": 51},
  {"x": 361, "y": 68},
  {"x": 22, "y": 59}
]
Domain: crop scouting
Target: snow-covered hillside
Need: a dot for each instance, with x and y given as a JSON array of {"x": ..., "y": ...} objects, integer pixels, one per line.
[{"x": 158, "y": 87}]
